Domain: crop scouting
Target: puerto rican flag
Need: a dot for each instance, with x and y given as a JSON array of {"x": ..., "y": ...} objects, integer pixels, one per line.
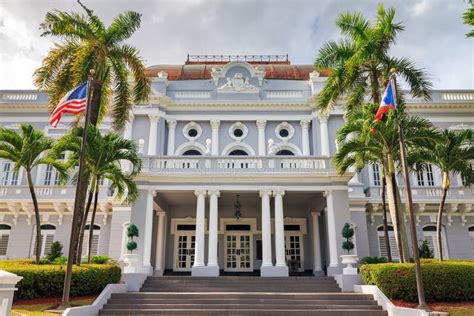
[
  {"x": 74, "y": 102},
  {"x": 389, "y": 101}
]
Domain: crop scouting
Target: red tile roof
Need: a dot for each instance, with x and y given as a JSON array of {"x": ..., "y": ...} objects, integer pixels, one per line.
[{"x": 196, "y": 71}]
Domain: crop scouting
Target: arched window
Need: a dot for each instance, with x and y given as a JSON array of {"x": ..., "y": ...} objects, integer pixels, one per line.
[
  {"x": 391, "y": 238},
  {"x": 95, "y": 241},
  {"x": 285, "y": 152},
  {"x": 47, "y": 238},
  {"x": 238, "y": 152},
  {"x": 471, "y": 238},
  {"x": 192, "y": 152},
  {"x": 429, "y": 234},
  {"x": 4, "y": 237}
]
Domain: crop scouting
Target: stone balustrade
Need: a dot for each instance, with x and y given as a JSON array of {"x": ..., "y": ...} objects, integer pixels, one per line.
[{"x": 219, "y": 164}]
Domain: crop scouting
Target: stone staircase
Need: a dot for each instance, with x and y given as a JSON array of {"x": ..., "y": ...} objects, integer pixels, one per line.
[{"x": 239, "y": 295}]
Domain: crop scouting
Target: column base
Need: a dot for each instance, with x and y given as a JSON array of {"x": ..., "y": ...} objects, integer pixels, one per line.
[
  {"x": 318, "y": 272},
  {"x": 203, "y": 271},
  {"x": 158, "y": 273},
  {"x": 274, "y": 271}
]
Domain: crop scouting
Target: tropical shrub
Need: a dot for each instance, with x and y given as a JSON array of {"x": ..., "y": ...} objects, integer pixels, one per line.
[
  {"x": 55, "y": 252},
  {"x": 347, "y": 233},
  {"x": 451, "y": 280},
  {"x": 46, "y": 280},
  {"x": 100, "y": 259},
  {"x": 373, "y": 260},
  {"x": 425, "y": 251},
  {"x": 60, "y": 260}
]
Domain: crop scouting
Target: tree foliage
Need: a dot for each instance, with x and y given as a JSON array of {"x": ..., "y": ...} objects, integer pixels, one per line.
[{"x": 86, "y": 43}]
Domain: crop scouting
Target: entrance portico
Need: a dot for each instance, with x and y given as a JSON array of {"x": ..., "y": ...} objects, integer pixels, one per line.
[{"x": 277, "y": 233}]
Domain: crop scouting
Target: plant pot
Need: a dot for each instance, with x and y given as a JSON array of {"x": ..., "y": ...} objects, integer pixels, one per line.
[
  {"x": 349, "y": 260},
  {"x": 132, "y": 261}
]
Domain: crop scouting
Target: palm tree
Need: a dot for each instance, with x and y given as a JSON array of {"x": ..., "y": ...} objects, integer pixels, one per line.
[
  {"x": 360, "y": 62},
  {"x": 105, "y": 156},
  {"x": 26, "y": 148},
  {"x": 468, "y": 18},
  {"x": 369, "y": 143},
  {"x": 453, "y": 154},
  {"x": 86, "y": 43}
]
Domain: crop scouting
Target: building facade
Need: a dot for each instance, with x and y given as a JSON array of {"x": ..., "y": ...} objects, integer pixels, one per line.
[{"x": 237, "y": 176}]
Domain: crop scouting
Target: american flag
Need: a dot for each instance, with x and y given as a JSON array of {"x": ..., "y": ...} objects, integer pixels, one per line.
[{"x": 74, "y": 102}]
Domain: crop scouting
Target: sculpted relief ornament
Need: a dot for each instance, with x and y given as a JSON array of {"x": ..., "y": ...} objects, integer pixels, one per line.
[{"x": 237, "y": 84}]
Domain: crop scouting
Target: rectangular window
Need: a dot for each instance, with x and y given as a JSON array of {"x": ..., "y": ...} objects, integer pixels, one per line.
[
  {"x": 376, "y": 172},
  {"x": 4, "y": 237},
  {"x": 392, "y": 242},
  {"x": 48, "y": 175},
  {"x": 429, "y": 175},
  {"x": 237, "y": 227},
  {"x": 420, "y": 178},
  {"x": 292, "y": 228},
  {"x": 6, "y": 173}
]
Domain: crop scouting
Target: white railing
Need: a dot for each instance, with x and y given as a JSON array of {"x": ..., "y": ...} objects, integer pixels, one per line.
[
  {"x": 3, "y": 191},
  {"x": 427, "y": 192},
  {"x": 457, "y": 96},
  {"x": 219, "y": 164},
  {"x": 20, "y": 96},
  {"x": 44, "y": 191}
]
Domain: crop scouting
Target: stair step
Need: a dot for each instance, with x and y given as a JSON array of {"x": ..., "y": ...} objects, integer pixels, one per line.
[
  {"x": 237, "y": 306},
  {"x": 243, "y": 301},
  {"x": 268, "y": 312}
]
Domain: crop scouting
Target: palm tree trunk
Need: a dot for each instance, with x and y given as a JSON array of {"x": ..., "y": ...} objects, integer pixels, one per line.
[
  {"x": 439, "y": 222},
  {"x": 83, "y": 226},
  {"x": 91, "y": 227},
  {"x": 37, "y": 217},
  {"x": 385, "y": 226},
  {"x": 402, "y": 229}
]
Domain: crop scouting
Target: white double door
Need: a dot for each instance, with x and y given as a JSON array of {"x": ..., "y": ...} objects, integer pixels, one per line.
[
  {"x": 294, "y": 250},
  {"x": 185, "y": 244},
  {"x": 238, "y": 252}
]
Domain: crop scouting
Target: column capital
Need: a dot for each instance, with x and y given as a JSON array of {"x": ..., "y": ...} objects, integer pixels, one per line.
[
  {"x": 171, "y": 123},
  {"x": 154, "y": 118},
  {"x": 327, "y": 193},
  {"x": 159, "y": 213},
  {"x": 323, "y": 116},
  {"x": 152, "y": 192},
  {"x": 279, "y": 192},
  {"x": 265, "y": 192},
  {"x": 215, "y": 123},
  {"x": 261, "y": 123},
  {"x": 305, "y": 123},
  {"x": 315, "y": 214},
  {"x": 214, "y": 192},
  {"x": 200, "y": 192}
]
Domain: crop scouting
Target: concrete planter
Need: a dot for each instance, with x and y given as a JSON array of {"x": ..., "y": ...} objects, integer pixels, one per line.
[
  {"x": 349, "y": 260},
  {"x": 133, "y": 263}
]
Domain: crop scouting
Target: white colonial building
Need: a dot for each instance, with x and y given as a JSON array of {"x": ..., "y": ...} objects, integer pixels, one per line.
[{"x": 237, "y": 176}]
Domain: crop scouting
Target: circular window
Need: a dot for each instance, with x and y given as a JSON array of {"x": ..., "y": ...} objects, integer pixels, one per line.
[
  {"x": 192, "y": 131},
  {"x": 284, "y": 131},
  {"x": 238, "y": 131}
]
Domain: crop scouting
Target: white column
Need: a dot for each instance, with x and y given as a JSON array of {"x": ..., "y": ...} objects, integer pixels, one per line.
[
  {"x": 305, "y": 136},
  {"x": 171, "y": 137},
  {"x": 323, "y": 126},
  {"x": 213, "y": 232},
  {"x": 261, "y": 137},
  {"x": 266, "y": 231},
  {"x": 200, "y": 230},
  {"x": 147, "y": 236},
  {"x": 127, "y": 132},
  {"x": 153, "y": 136},
  {"x": 331, "y": 224},
  {"x": 316, "y": 245},
  {"x": 215, "y": 137},
  {"x": 159, "y": 243},
  {"x": 279, "y": 229}
]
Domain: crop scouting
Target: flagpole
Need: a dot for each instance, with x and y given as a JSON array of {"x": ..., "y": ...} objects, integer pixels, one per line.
[
  {"x": 80, "y": 195},
  {"x": 409, "y": 203}
]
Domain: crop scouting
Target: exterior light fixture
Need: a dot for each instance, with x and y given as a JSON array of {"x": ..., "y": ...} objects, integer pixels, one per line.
[{"x": 237, "y": 208}]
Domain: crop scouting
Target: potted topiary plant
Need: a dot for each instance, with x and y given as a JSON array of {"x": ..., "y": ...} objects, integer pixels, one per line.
[
  {"x": 131, "y": 260},
  {"x": 348, "y": 245}
]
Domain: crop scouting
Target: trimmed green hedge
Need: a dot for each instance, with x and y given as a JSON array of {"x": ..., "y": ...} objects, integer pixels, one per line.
[
  {"x": 46, "y": 280},
  {"x": 451, "y": 280}
]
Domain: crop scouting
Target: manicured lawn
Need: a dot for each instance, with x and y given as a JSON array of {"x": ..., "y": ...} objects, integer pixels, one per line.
[
  {"x": 453, "y": 308},
  {"x": 37, "y": 307}
]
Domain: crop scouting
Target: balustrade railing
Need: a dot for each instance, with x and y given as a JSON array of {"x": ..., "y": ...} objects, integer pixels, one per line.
[{"x": 218, "y": 164}]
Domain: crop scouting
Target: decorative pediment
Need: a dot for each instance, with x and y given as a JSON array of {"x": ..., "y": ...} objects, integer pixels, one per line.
[
  {"x": 256, "y": 72},
  {"x": 237, "y": 84}
]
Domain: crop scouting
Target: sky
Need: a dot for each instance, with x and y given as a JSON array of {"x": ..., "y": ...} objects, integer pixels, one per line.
[{"x": 434, "y": 36}]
